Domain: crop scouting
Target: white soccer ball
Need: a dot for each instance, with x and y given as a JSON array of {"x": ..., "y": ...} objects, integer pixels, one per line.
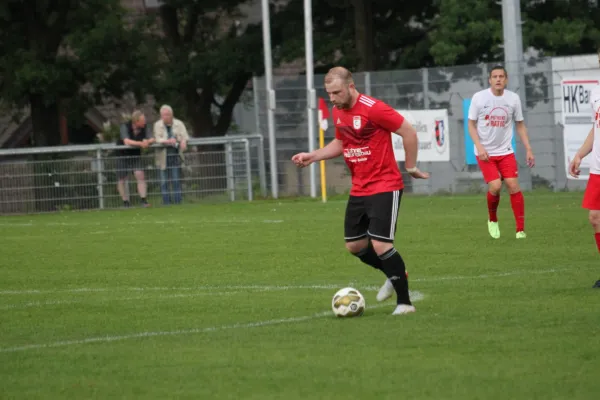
[{"x": 348, "y": 302}]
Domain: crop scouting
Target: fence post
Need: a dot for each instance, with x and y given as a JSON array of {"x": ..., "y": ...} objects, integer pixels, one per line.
[
  {"x": 256, "y": 103},
  {"x": 229, "y": 169},
  {"x": 248, "y": 169},
  {"x": 425, "y": 74},
  {"x": 100, "y": 184},
  {"x": 368, "y": 83},
  {"x": 425, "y": 82},
  {"x": 126, "y": 187},
  {"x": 262, "y": 170},
  {"x": 484, "y": 74}
]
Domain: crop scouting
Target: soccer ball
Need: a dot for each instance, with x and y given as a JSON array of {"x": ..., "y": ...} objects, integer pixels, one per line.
[{"x": 348, "y": 302}]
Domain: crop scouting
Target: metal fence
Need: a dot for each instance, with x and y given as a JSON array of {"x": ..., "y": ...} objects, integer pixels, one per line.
[
  {"x": 433, "y": 88},
  {"x": 85, "y": 177}
]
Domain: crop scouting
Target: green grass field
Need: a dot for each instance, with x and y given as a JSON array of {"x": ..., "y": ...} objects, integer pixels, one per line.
[{"x": 232, "y": 301}]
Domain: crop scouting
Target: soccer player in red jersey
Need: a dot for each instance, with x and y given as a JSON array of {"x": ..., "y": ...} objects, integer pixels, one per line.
[
  {"x": 591, "y": 198},
  {"x": 363, "y": 127},
  {"x": 492, "y": 114}
]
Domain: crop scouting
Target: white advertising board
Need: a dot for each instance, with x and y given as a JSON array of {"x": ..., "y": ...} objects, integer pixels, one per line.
[
  {"x": 577, "y": 117},
  {"x": 433, "y": 133}
]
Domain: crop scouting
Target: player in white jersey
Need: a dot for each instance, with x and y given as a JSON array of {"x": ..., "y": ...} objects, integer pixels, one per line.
[
  {"x": 591, "y": 198},
  {"x": 492, "y": 115}
]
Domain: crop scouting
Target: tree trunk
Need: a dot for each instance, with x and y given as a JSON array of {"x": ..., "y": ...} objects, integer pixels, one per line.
[
  {"x": 363, "y": 28},
  {"x": 211, "y": 160},
  {"x": 209, "y": 173},
  {"x": 45, "y": 121},
  {"x": 46, "y": 132},
  {"x": 199, "y": 113},
  {"x": 226, "y": 110}
]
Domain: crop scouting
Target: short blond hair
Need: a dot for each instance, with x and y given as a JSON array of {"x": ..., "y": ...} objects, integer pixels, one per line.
[
  {"x": 339, "y": 73},
  {"x": 136, "y": 115}
]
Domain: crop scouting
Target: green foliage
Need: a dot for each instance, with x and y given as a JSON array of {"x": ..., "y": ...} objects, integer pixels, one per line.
[
  {"x": 198, "y": 55},
  {"x": 466, "y": 31},
  {"x": 111, "y": 132},
  {"x": 207, "y": 57},
  {"x": 561, "y": 27},
  {"x": 69, "y": 54},
  {"x": 470, "y": 31},
  {"x": 399, "y": 33}
]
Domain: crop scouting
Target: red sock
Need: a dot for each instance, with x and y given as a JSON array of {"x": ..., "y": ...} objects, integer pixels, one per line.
[
  {"x": 493, "y": 201},
  {"x": 597, "y": 235},
  {"x": 518, "y": 206}
]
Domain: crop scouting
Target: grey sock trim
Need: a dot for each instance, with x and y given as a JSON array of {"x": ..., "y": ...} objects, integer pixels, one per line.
[{"x": 388, "y": 254}]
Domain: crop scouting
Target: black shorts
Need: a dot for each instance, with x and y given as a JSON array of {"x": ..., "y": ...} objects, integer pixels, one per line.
[
  {"x": 128, "y": 164},
  {"x": 372, "y": 216}
]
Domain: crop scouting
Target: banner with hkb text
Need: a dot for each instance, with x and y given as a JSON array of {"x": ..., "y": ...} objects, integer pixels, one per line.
[
  {"x": 433, "y": 133},
  {"x": 577, "y": 118}
]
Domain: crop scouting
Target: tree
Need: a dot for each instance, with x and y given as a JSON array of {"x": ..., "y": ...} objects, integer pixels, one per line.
[
  {"x": 401, "y": 39},
  {"x": 470, "y": 31},
  {"x": 208, "y": 58},
  {"x": 562, "y": 27},
  {"x": 466, "y": 32},
  {"x": 363, "y": 32},
  {"x": 362, "y": 35},
  {"x": 65, "y": 56}
]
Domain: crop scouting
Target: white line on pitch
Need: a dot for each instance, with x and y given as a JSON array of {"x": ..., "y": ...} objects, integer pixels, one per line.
[
  {"x": 115, "y": 338},
  {"x": 16, "y": 224},
  {"x": 191, "y": 221},
  {"x": 37, "y": 304},
  {"x": 58, "y": 302},
  {"x": 265, "y": 288},
  {"x": 414, "y": 295},
  {"x": 485, "y": 276},
  {"x": 279, "y": 287}
]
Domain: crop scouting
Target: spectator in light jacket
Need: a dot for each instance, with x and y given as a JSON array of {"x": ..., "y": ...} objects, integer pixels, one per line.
[{"x": 172, "y": 133}]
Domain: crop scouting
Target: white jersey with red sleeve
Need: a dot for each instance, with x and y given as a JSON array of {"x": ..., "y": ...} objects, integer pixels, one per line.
[
  {"x": 495, "y": 116},
  {"x": 595, "y": 155}
]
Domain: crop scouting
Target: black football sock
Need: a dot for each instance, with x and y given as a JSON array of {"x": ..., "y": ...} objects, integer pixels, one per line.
[
  {"x": 394, "y": 268},
  {"x": 369, "y": 257}
]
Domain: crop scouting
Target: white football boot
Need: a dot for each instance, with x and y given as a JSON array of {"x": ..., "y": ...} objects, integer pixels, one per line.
[
  {"x": 386, "y": 291},
  {"x": 402, "y": 309}
]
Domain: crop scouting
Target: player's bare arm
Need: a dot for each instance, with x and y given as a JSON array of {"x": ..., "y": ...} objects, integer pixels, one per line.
[
  {"x": 481, "y": 152},
  {"x": 522, "y": 132},
  {"x": 584, "y": 150},
  {"x": 332, "y": 150},
  {"x": 411, "y": 149},
  {"x": 135, "y": 143}
]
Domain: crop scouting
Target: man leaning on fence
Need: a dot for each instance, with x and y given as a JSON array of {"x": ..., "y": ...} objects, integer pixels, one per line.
[
  {"x": 136, "y": 135},
  {"x": 172, "y": 133}
]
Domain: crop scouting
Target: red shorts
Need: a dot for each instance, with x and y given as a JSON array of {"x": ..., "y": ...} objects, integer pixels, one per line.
[
  {"x": 591, "y": 197},
  {"x": 499, "y": 167}
]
